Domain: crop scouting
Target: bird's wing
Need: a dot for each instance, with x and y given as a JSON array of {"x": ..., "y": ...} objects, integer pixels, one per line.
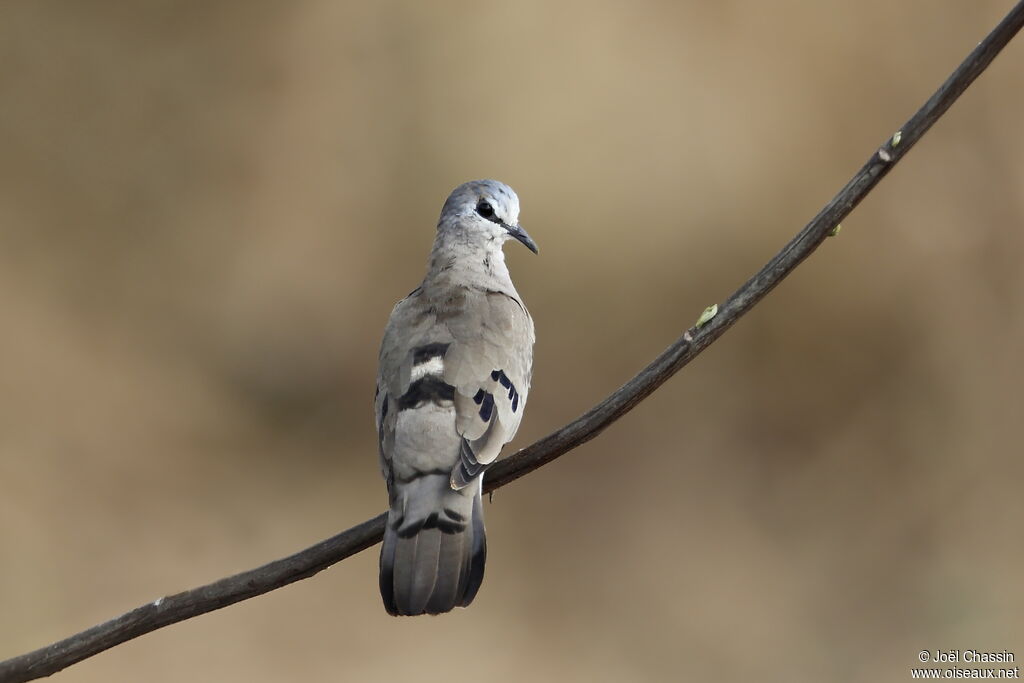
[
  {"x": 409, "y": 371},
  {"x": 489, "y": 362}
]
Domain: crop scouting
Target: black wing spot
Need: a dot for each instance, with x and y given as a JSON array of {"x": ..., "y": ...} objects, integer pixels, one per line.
[
  {"x": 500, "y": 377},
  {"x": 487, "y": 408},
  {"x": 479, "y": 396},
  {"x": 503, "y": 379}
]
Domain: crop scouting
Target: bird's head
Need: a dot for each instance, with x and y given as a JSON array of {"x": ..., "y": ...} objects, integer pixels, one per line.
[{"x": 486, "y": 210}]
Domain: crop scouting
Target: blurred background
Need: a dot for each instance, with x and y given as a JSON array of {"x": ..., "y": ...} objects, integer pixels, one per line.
[{"x": 207, "y": 210}]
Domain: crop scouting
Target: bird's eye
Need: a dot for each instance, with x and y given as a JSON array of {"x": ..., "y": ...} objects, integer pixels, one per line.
[{"x": 485, "y": 209}]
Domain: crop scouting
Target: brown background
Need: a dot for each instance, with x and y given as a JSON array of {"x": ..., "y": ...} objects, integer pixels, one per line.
[{"x": 207, "y": 210}]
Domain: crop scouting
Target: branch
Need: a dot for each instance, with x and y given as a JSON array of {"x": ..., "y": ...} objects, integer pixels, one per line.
[{"x": 191, "y": 603}]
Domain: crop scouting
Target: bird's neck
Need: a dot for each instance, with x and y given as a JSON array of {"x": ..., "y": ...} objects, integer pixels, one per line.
[{"x": 479, "y": 264}]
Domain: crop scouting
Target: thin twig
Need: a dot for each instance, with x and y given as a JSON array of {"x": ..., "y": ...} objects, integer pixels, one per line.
[{"x": 190, "y": 603}]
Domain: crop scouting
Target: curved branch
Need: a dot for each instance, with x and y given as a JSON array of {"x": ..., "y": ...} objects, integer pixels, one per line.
[{"x": 190, "y": 603}]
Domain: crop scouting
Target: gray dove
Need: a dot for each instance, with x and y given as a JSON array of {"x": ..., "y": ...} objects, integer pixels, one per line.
[{"x": 454, "y": 375}]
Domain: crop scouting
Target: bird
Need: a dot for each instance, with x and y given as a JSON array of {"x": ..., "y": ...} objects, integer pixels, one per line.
[{"x": 454, "y": 374}]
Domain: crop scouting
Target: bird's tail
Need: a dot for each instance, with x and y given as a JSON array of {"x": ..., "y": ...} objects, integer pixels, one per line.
[{"x": 434, "y": 547}]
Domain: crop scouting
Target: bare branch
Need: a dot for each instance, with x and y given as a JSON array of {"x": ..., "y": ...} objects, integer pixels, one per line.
[{"x": 190, "y": 603}]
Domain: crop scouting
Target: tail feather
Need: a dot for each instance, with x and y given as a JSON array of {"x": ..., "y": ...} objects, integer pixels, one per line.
[
  {"x": 434, "y": 550},
  {"x": 446, "y": 588},
  {"x": 387, "y": 569},
  {"x": 424, "y": 568},
  {"x": 474, "y": 572}
]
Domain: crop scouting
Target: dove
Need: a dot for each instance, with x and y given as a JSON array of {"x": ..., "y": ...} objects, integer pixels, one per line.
[{"x": 454, "y": 376}]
